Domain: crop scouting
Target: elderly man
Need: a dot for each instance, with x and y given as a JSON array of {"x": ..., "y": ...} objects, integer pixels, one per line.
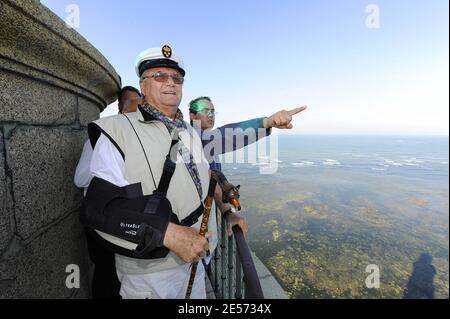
[{"x": 148, "y": 191}]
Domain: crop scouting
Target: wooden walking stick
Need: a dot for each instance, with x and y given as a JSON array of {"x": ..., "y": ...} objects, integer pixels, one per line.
[{"x": 230, "y": 195}]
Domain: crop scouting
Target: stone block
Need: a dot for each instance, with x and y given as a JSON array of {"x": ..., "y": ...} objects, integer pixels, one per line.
[
  {"x": 38, "y": 269},
  {"x": 29, "y": 101},
  {"x": 87, "y": 111},
  {"x": 43, "y": 161}
]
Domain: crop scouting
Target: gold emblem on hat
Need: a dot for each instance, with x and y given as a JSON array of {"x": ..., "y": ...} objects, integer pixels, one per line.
[{"x": 167, "y": 51}]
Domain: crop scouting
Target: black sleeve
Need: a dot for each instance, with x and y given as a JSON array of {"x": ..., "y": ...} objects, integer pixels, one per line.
[
  {"x": 94, "y": 132},
  {"x": 126, "y": 213}
]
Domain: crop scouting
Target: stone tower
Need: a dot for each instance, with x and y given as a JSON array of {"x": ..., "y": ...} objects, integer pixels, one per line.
[{"x": 52, "y": 84}]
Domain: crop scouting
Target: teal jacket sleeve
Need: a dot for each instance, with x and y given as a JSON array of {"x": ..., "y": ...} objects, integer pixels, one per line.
[{"x": 234, "y": 136}]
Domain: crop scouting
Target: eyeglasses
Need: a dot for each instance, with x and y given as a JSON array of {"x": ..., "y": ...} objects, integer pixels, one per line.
[
  {"x": 164, "y": 77},
  {"x": 209, "y": 113}
]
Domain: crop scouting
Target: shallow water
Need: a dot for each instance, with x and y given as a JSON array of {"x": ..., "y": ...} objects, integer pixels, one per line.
[{"x": 338, "y": 204}]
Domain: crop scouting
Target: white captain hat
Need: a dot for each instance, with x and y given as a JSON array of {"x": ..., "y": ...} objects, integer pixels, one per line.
[{"x": 158, "y": 57}]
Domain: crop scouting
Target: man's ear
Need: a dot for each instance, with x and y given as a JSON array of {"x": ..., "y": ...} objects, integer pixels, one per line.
[
  {"x": 192, "y": 116},
  {"x": 141, "y": 85}
]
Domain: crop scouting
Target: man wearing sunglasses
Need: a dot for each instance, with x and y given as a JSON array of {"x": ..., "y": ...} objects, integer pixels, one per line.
[
  {"x": 202, "y": 115},
  {"x": 164, "y": 162},
  {"x": 130, "y": 156}
]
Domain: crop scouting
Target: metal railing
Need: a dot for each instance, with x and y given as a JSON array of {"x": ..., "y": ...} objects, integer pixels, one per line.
[{"x": 232, "y": 272}]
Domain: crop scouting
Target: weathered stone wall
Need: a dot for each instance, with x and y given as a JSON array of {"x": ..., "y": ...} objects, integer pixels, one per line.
[{"x": 52, "y": 84}]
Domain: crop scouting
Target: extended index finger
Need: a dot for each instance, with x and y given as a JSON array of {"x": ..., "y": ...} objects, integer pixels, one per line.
[{"x": 297, "y": 110}]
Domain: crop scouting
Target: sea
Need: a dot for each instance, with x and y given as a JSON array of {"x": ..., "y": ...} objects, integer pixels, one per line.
[{"x": 349, "y": 216}]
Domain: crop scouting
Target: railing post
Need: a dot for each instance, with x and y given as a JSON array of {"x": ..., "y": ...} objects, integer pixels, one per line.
[
  {"x": 230, "y": 260},
  {"x": 239, "y": 280},
  {"x": 237, "y": 270},
  {"x": 216, "y": 270},
  {"x": 223, "y": 247}
]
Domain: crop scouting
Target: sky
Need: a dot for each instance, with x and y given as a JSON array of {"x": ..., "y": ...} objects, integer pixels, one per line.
[{"x": 362, "y": 67}]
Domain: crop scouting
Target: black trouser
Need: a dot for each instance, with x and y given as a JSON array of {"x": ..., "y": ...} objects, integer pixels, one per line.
[{"x": 105, "y": 284}]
